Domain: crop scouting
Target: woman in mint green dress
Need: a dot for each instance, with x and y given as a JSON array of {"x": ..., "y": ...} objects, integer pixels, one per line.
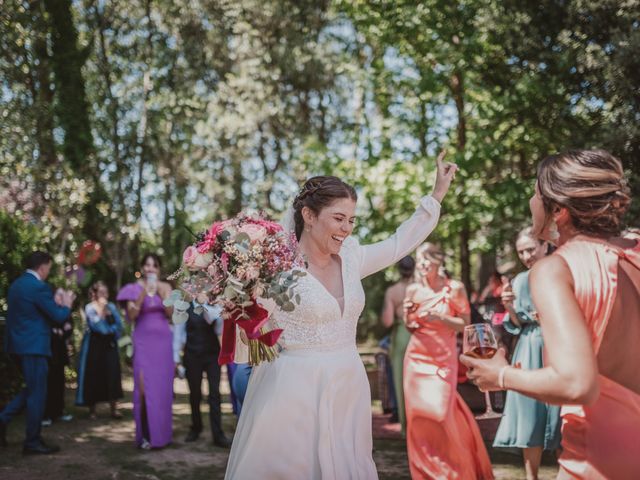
[{"x": 527, "y": 423}]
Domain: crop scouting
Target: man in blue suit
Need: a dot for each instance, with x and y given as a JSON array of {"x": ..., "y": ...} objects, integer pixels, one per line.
[{"x": 28, "y": 340}]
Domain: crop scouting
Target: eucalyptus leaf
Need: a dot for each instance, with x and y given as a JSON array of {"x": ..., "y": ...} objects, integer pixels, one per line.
[
  {"x": 179, "y": 317},
  {"x": 181, "y": 305},
  {"x": 242, "y": 238},
  {"x": 168, "y": 302},
  {"x": 288, "y": 307}
]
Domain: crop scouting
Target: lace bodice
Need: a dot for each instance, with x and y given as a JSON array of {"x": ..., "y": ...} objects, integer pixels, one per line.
[{"x": 317, "y": 323}]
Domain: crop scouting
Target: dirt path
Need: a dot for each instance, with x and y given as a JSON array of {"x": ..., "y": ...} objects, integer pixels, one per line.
[{"x": 103, "y": 449}]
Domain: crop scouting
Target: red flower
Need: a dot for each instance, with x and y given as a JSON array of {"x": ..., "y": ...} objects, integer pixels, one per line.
[
  {"x": 210, "y": 237},
  {"x": 271, "y": 227}
]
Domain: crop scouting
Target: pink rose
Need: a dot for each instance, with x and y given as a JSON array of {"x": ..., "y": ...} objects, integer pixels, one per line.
[
  {"x": 189, "y": 257},
  {"x": 203, "y": 260},
  {"x": 256, "y": 233}
]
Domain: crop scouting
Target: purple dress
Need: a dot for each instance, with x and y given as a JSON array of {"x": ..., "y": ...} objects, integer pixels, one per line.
[{"x": 153, "y": 362}]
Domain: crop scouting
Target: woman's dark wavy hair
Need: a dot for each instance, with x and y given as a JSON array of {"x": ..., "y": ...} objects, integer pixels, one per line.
[{"x": 318, "y": 193}]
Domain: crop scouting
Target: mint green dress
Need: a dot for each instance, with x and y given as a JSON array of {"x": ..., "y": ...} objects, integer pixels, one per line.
[
  {"x": 400, "y": 337},
  {"x": 527, "y": 422}
]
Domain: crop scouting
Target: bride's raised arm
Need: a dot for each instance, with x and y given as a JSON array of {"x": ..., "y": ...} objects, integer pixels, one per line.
[{"x": 412, "y": 232}]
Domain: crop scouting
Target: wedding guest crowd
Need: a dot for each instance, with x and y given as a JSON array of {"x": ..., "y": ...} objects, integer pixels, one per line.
[
  {"x": 574, "y": 315},
  {"x": 587, "y": 299}
]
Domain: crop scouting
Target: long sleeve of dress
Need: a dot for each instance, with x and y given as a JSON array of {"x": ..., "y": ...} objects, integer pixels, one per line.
[
  {"x": 213, "y": 316},
  {"x": 47, "y": 305},
  {"x": 409, "y": 235},
  {"x": 98, "y": 324},
  {"x": 118, "y": 326},
  {"x": 179, "y": 339},
  {"x": 523, "y": 305}
]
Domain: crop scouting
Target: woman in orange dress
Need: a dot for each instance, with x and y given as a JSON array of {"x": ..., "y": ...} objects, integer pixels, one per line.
[
  {"x": 443, "y": 439},
  {"x": 587, "y": 295}
]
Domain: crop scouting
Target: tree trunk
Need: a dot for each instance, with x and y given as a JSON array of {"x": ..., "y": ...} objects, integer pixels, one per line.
[
  {"x": 72, "y": 106},
  {"x": 238, "y": 180},
  {"x": 43, "y": 94},
  {"x": 457, "y": 91},
  {"x": 142, "y": 147}
]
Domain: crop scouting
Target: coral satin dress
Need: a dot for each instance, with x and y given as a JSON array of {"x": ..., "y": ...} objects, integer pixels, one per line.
[
  {"x": 602, "y": 440},
  {"x": 443, "y": 439}
]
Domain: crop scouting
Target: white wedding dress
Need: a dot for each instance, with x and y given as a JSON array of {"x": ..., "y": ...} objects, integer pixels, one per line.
[{"x": 307, "y": 414}]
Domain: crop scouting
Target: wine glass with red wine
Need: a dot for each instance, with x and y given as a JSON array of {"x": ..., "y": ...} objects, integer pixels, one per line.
[{"x": 478, "y": 341}]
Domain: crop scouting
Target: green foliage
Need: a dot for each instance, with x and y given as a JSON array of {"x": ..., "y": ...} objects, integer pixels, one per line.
[
  {"x": 134, "y": 123},
  {"x": 17, "y": 240}
]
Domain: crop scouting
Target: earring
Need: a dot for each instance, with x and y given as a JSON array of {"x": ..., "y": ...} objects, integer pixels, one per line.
[
  {"x": 307, "y": 229},
  {"x": 554, "y": 234}
]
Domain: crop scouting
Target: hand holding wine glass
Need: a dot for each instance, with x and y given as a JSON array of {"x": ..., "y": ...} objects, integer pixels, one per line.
[
  {"x": 479, "y": 341},
  {"x": 479, "y": 346}
]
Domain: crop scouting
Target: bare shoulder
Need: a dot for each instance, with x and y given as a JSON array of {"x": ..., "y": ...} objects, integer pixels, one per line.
[
  {"x": 412, "y": 288},
  {"x": 457, "y": 287},
  {"x": 550, "y": 271}
]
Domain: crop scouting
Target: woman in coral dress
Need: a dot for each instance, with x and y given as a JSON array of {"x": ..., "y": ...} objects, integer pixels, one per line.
[
  {"x": 443, "y": 439},
  {"x": 588, "y": 299}
]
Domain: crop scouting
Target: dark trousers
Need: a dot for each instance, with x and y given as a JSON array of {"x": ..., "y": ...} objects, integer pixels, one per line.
[
  {"x": 54, "y": 407},
  {"x": 196, "y": 366},
  {"x": 33, "y": 396}
]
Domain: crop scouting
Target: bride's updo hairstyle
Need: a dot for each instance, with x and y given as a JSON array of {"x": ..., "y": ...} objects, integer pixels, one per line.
[
  {"x": 318, "y": 193},
  {"x": 591, "y": 185}
]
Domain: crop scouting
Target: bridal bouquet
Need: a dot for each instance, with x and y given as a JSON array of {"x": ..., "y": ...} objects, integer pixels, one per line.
[{"x": 233, "y": 264}]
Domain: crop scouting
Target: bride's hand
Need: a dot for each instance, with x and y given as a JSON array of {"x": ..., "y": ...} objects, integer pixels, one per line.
[{"x": 445, "y": 173}]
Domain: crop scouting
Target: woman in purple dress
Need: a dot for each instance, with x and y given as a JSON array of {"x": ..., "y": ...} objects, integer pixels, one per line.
[{"x": 152, "y": 355}]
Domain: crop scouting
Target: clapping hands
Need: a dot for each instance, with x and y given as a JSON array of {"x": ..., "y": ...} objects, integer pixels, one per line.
[
  {"x": 64, "y": 298},
  {"x": 445, "y": 173}
]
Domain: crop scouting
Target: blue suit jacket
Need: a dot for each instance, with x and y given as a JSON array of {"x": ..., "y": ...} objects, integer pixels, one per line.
[{"x": 31, "y": 309}]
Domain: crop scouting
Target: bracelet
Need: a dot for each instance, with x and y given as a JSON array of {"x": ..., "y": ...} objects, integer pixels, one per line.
[{"x": 503, "y": 370}]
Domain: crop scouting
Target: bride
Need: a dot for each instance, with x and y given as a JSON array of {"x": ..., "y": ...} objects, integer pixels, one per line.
[{"x": 307, "y": 414}]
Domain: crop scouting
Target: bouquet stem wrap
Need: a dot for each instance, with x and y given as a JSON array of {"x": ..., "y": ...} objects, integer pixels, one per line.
[{"x": 251, "y": 320}]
